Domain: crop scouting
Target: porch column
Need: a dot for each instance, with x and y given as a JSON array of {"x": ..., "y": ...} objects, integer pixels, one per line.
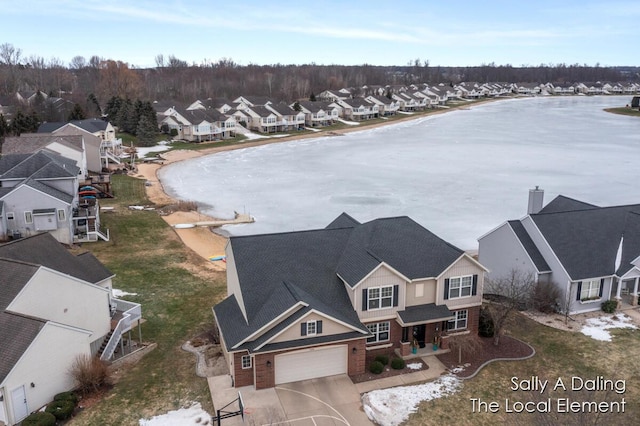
[
  {"x": 634, "y": 295},
  {"x": 618, "y": 297}
]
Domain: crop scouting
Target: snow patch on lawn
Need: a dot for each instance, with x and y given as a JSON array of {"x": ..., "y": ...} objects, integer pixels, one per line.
[
  {"x": 119, "y": 293},
  {"x": 598, "y": 328},
  {"x": 193, "y": 415},
  {"x": 350, "y": 123},
  {"x": 160, "y": 147},
  {"x": 414, "y": 366},
  {"x": 390, "y": 407}
]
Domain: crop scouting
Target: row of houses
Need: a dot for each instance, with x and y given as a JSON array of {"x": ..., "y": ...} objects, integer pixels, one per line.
[
  {"x": 217, "y": 119},
  {"x": 322, "y": 302}
]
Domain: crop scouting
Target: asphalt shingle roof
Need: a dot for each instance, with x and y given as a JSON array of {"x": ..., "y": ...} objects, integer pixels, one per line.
[
  {"x": 278, "y": 271},
  {"x": 586, "y": 241},
  {"x": 43, "y": 249},
  {"x": 529, "y": 246},
  {"x": 565, "y": 204},
  {"x": 16, "y": 333},
  {"x": 425, "y": 313}
]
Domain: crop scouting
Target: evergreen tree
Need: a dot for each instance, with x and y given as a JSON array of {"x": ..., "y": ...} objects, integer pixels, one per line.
[
  {"x": 4, "y": 126},
  {"x": 76, "y": 114},
  {"x": 312, "y": 97},
  {"x": 93, "y": 106},
  {"x": 146, "y": 132},
  {"x": 297, "y": 107},
  {"x": 113, "y": 107}
]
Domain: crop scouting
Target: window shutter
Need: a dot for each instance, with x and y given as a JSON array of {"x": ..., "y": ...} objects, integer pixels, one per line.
[
  {"x": 303, "y": 329},
  {"x": 602, "y": 286},
  {"x": 579, "y": 290},
  {"x": 319, "y": 326},
  {"x": 396, "y": 289},
  {"x": 474, "y": 289},
  {"x": 446, "y": 288},
  {"x": 365, "y": 302}
]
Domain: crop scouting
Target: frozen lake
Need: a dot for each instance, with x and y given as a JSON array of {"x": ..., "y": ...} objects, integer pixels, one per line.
[{"x": 459, "y": 174}]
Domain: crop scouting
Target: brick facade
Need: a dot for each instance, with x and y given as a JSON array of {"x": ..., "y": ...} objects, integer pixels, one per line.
[{"x": 242, "y": 376}]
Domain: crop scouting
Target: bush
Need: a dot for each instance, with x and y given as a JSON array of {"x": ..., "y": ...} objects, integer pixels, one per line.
[
  {"x": 62, "y": 408},
  {"x": 40, "y": 418},
  {"x": 173, "y": 132},
  {"x": 89, "y": 373},
  {"x": 486, "y": 327},
  {"x": 398, "y": 363},
  {"x": 609, "y": 306},
  {"x": 376, "y": 367},
  {"x": 66, "y": 396},
  {"x": 382, "y": 359},
  {"x": 545, "y": 297}
]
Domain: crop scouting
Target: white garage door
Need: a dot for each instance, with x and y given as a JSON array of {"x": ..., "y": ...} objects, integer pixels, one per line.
[{"x": 311, "y": 363}]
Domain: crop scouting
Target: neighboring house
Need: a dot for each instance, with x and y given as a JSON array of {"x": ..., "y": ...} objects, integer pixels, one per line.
[
  {"x": 318, "y": 113},
  {"x": 317, "y": 303},
  {"x": 358, "y": 109},
  {"x": 95, "y": 153},
  {"x": 333, "y": 95},
  {"x": 40, "y": 194},
  {"x": 198, "y": 124},
  {"x": 591, "y": 254},
  {"x": 111, "y": 148},
  {"x": 71, "y": 147},
  {"x": 54, "y": 306},
  {"x": 386, "y": 106},
  {"x": 289, "y": 119}
]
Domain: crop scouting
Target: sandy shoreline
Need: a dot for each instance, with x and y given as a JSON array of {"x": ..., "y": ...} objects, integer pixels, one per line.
[{"x": 201, "y": 239}]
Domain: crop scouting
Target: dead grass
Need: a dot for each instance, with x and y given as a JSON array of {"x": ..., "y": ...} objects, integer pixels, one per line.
[{"x": 559, "y": 354}]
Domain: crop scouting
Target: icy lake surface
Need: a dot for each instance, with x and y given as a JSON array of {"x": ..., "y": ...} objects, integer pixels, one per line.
[{"x": 459, "y": 174}]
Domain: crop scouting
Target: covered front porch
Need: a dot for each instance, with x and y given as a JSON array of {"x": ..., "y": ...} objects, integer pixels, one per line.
[
  {"x": 625, "y": 289},
  {"x": 424, "y": 329}
]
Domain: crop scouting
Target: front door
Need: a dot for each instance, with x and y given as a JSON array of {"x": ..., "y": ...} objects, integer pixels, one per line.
[
  {"x": 418, "y": 334},
  {"x": 19, "y": 402}
]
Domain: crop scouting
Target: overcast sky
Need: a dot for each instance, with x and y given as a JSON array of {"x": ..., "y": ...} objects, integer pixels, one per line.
[{"x": 458, "y": 33}]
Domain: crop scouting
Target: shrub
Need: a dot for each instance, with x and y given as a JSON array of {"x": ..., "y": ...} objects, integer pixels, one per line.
[
  {"x": 89, "y": 373},
  {"x": 609, "y": 306},
  {"x": 40, "y": 418},
  {"x": 173, "y": 132},
  {"x": 545, "y": 297},
  {"x": 382, "y": 359},
  {"x": 376, "y": 367},
  {"x": 485, "y": 326},
  {"x": 62, "y": 409},
  {"x": 66, "y": 396},
  {"x": 398, "y": 363}
]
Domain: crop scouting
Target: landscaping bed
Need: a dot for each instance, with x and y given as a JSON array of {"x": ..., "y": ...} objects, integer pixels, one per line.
[{"x": 390, "y": 372}]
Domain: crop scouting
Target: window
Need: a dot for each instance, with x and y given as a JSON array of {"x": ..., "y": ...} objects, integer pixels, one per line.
[
  {"x": 419, "y": 289},
  {"x": 380, "y": 331},
  {"x": 28, "y": 218},
  {"x": 460, "y": 322},
  {"x": 380, "y": 297},
  {"x": 246, "y": 361},
  {"x": 590, "y": 290},
  {"x": 10, "y": 216},
  {"x": 311, "y": 328},
  {"x": 61, "y": 215},
  {"x": 460, "y": 286}
]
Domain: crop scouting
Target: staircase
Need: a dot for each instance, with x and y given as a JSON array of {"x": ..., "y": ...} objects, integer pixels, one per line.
[{"x": 105, "y": 342}]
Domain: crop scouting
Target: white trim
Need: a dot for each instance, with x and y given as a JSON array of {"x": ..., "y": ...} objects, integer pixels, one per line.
[
  {"x": 375, "y": 269},
  {"x": 311, "y": 345},
  {"x": 301, "y": 319},
  {"x": 269, "y": 324},
  {"x": 242, "y": 358},
  {"x": 553, "y": 253},
  {"x": 380, "y": 297},
  {"x": 21, "y": 185},
  {"x": 462, "y": 256},
  {"x": 634, "y": 272},
  {"x": 373, "y": 348},
  {"x": 525, "y": 250}
]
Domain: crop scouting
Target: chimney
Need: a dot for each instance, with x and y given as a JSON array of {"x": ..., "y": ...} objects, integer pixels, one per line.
[{"x": 536, "y": 198}]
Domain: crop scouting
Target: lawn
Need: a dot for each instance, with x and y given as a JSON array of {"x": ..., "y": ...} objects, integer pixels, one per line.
[
  {"x": 559, "y": 354},
  {"x": 149, "y": 259}
]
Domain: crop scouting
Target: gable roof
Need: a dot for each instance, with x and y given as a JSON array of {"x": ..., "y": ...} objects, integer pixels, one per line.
[
  {"x": 17, "y": 332},
  {"x": 32, "y": 142},
  {"x": 399, "y": 242},
  {"x": 91, "y": 125},
  {"x": 288, "y": 274},
  {"x": 564, "y": 204},
  {"x": 43, "y": 249},
  {"x": 586, "y": 241},
  {"x": 39, "y": 165},
  {"x": 529, "y": 246}
]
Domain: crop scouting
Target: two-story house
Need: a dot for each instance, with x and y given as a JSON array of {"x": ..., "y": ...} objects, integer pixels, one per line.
[
  {"x": 54, "y": 306},
  {"x": 314, "y": 303}
]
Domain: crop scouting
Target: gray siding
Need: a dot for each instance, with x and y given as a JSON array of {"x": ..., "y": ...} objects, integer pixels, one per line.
[{"x": 500, "y": 251}]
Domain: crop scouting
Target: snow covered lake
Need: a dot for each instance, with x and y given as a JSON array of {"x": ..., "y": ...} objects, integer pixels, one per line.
[{"x": 459, "y": 174}]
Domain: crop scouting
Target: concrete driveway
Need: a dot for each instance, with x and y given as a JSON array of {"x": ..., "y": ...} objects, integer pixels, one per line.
[{"x": 318, "y": 402}]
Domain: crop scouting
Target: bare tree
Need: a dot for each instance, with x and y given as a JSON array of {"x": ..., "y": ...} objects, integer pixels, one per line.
[
  {"x": 465, "y": 344},
  {"x": 508, "y": 294}
]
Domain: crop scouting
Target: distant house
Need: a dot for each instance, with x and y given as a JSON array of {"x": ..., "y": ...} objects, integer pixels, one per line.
[
  {"x": 317, "y": 303},
  {"x": 318, "y": 113},
  {"x": 110, "y": 147},
  {"x": 358, "y": 109},
  {"x": 197, "y": 124},
  {"x": 591, "y": 254},
  {"x": 386, "y": 106},
  {"x": 54, "y": 306}
]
